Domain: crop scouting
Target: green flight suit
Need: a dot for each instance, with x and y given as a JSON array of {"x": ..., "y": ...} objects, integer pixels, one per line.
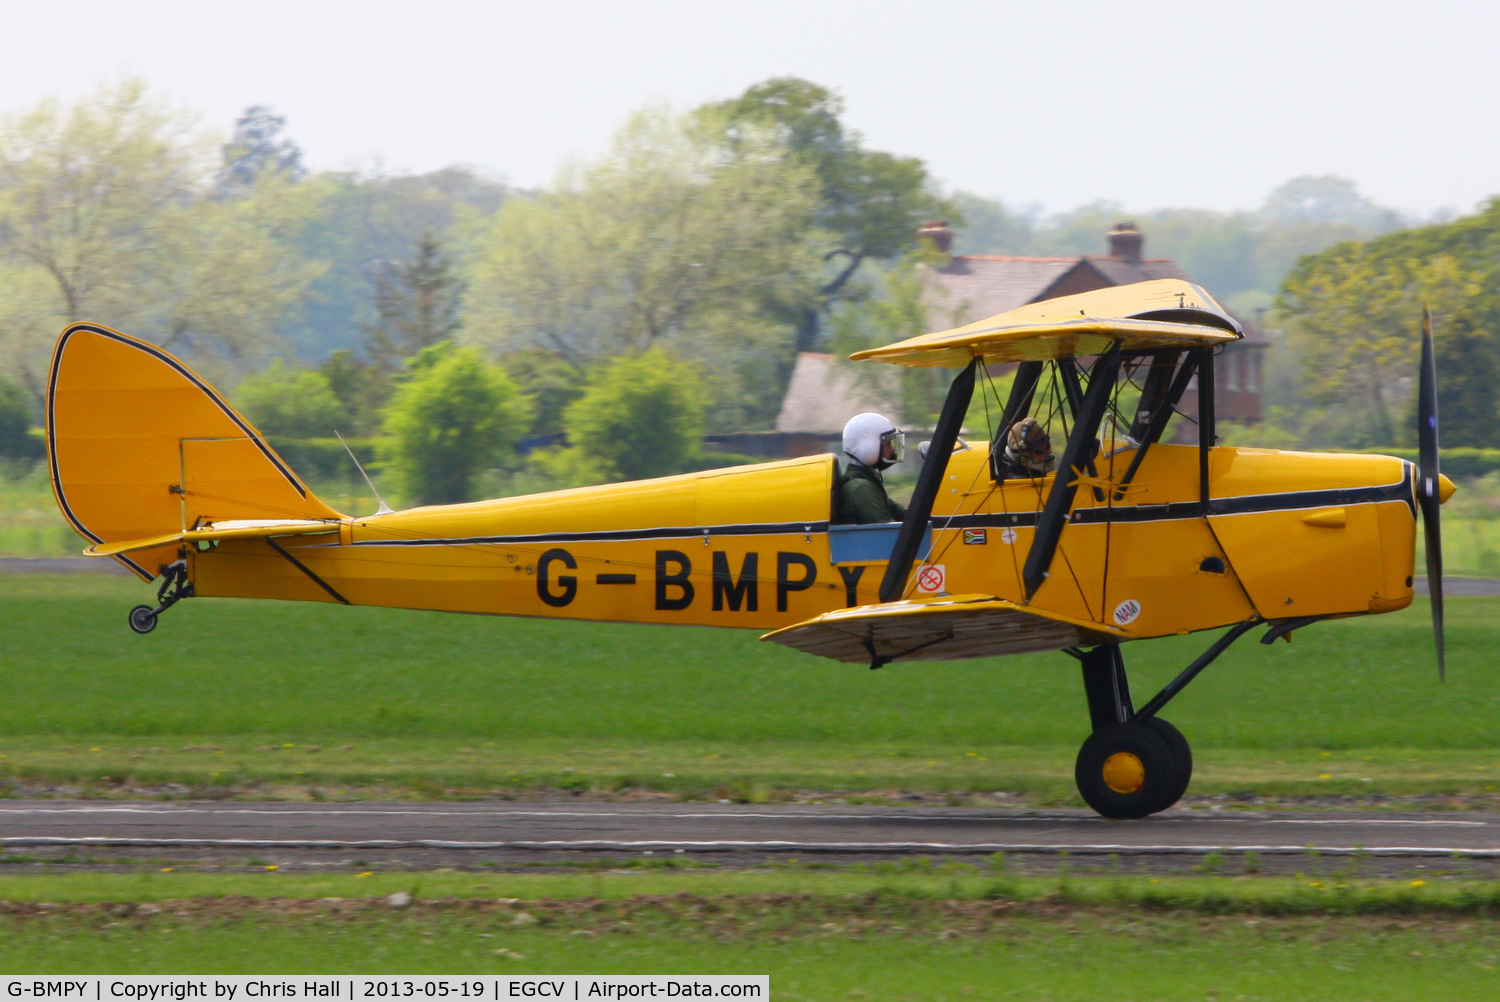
[{"x": 862, "y": 498}]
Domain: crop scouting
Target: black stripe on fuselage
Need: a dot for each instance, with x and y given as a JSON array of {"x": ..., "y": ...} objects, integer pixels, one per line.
[
  {"x": 1250, "y": 504},
  {"x": 617, "y": 535}
]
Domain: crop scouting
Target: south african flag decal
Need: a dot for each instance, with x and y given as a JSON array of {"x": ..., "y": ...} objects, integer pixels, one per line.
[{"x": 975, "y": 537}]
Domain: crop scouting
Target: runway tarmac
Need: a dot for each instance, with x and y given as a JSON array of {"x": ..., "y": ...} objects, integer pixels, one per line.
[{"x": 579, "y": 828}]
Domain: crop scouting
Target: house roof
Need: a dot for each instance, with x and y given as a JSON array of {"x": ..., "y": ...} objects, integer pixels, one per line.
[
  {"x": 970, "y": 287},
  {"x": 1122, "y": 272},
  {"x": 822, "y": 395}
]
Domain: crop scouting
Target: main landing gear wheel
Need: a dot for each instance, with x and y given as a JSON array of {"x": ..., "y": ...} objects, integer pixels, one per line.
[
  {"x": 1126, "y": 771},
  {"x": 1182, "y": 759},
  {"x": 143, "y": 619}
]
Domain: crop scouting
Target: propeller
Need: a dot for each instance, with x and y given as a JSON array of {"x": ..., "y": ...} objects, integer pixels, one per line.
[{"x": 1428, "y": 483}]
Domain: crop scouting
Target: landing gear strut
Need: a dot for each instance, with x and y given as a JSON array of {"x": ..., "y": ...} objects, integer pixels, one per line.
[
  {"x": 1135, "y": 763},
  {"x": 174, "y": 588}
]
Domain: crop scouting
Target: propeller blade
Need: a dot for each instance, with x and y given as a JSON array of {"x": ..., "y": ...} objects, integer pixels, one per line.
[{"x": 1427, "y": 481}]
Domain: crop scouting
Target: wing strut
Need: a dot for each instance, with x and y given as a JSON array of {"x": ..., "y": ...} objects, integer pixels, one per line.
[
  {"x": 1022, "y": 390},
  {"x": 914, "y": 527},
  {"x": 1069, "y": 369},
  {"x": 1207, "y": 434},
  {"x": 1076, "y": 456},
  {"x": 1164, "y": 409}
]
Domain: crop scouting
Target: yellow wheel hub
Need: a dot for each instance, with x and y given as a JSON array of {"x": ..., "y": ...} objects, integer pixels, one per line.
[{"x": 1124, "y": 773}]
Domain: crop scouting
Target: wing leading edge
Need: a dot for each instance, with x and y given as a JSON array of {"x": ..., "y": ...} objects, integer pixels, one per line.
[
  {"x": 1166, "y": 313},
  {"x": 940, "y": 629}
]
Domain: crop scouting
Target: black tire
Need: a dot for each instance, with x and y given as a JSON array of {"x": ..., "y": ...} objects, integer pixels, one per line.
[
  {"x": 142, "y": 619},
  {"x": 1182, "y": 759},
  {"x": 1125, "y": 771}
]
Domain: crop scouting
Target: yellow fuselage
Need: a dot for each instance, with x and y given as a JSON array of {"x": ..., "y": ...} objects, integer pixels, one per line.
[{"x": 1288, "y": 535}]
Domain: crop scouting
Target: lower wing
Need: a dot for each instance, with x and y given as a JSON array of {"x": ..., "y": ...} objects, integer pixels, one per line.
[{"x": 941, "y": 629}]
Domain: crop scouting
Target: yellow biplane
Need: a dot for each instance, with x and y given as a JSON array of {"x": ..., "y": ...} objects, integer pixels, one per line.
[{"x": 1136, "y": 537}]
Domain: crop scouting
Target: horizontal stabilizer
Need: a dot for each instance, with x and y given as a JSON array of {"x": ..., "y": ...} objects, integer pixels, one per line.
[
  {"x": 238, "y": 529},
  {"x": 941, "y": 629}
]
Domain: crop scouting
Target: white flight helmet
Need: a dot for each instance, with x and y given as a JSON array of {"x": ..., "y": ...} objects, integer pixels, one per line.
[{"x": 871, "y": 439}]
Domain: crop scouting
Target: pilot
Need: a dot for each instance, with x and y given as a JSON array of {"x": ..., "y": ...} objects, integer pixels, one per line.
[
  {"x": 872, "y": 444},
  {"x": 1028, "y": 451}
]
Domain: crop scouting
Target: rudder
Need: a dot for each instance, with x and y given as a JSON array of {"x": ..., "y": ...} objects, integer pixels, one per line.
[{"x": 138, "y": 446}]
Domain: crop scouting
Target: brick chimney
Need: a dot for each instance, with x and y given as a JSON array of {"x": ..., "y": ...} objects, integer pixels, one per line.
[
  {"x": 1126, "y": 242},
  {"x": 937, "y": 234}
]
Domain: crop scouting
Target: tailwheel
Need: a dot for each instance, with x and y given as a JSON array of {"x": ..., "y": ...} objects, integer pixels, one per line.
[
  {"x": 174, "y": 588},
  {"x": 143, "y": 619},
  {"x": 1182, "y": 760},
  {"x": 1126, "y": 771}
]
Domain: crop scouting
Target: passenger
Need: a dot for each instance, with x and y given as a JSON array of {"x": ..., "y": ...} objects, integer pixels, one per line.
[
  {"x": 1028, "y": 451},
  {"x": 871, "y": 444}
]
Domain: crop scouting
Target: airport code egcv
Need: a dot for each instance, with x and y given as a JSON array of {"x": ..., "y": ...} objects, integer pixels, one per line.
[{"x": 346, "y": 988}]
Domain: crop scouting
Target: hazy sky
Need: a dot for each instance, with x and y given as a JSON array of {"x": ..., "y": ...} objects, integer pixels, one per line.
[{"x": 1148, "y": 102}]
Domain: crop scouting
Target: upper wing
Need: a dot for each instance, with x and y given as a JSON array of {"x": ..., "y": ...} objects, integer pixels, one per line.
[
  {"x": 1166, "y": 313},
  {"x": 940, "y": 629}
]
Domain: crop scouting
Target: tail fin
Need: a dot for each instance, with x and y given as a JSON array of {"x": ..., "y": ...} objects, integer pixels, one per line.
[{"x": 139, "y": 446}]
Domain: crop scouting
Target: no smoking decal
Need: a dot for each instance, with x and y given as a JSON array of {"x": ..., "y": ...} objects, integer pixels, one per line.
[{"x": 930, "y": 580}]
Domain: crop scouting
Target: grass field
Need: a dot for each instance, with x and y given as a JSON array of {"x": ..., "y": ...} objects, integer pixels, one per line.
[
  {"x": 966, "y": 933},
  {"x": 311, "y": 699},
  {"x": 304, "y": 700}
]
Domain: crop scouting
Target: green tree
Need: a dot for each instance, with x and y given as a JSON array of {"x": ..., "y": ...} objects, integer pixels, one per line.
[
  {"x": 1352, "y": 313},
  {"x": 84, "y": 194},
  {"x": 364, "y": 222},
  {"x": 1467, "y": 357},
  {"x": 453, "y": 416},
  {"x": 551, "y": 383},
  {"x": 16, "y": 440},
  {"x": 258, "y": 147},
  {"x": 233, "y": 276},
  {"x": 641, "y": 416},
  {"x": 990, "y": 227},
  {"x": 1239, "y": 256},
  {"x": 362, "y": 389},
  {"x": 903, "y": 305},
  {"x": 663, "y": 241},
  {"x": 294, "y": 403},
  {"x": 870, "y": 202},
  {"x": 1353, "y": 317},
  {"x": 105, "y": 215},
  {"x": 416, "y": 303},
  {"x": 1311, "y": 199}
]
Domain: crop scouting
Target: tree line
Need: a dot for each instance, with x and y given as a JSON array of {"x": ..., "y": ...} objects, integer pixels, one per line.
[{"x": 604, "y": 323}]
